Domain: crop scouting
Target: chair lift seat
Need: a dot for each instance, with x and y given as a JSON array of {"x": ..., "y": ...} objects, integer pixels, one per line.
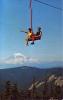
[{"x": 36, "y": 37}]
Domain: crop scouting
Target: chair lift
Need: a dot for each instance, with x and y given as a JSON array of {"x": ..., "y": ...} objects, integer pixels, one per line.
[{"x": 36, "y": 36}]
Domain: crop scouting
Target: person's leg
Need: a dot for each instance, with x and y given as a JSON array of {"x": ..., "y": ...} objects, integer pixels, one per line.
[
  {"x": 32, "y": 40},
  {"x": 27, "y": 42}
]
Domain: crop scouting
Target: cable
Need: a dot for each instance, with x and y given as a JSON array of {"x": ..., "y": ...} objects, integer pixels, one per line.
[{"x": 49, "y": 5}]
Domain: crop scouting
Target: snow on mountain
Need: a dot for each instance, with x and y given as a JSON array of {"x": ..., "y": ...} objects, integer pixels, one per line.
[
  {"x": 51, "y": 78},
  {"x": 18, "y": 58},
  {"x": 58, "y": 81}
]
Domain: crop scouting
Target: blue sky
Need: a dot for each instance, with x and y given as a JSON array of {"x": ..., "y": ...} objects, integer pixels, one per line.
[{"x": 14, "y": 16}]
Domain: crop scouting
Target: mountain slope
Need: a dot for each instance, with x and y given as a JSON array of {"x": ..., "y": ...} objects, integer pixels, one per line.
[{"x": 23, "y": 76}]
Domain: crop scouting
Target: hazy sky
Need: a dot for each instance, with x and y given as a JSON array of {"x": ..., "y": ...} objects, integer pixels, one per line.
[{"x": 14, "y": 16}]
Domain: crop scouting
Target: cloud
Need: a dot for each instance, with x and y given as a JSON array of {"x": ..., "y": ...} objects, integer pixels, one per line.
[{"x": 19, "y": 58}]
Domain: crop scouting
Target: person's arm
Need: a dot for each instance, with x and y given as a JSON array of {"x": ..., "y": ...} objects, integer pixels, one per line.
[
  {"x": 23, "y": 31},
  {"x": 41, "y": 32}
]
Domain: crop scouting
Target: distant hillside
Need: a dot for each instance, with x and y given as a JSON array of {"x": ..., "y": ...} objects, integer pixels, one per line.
[{"x": 23, "y": 76}]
